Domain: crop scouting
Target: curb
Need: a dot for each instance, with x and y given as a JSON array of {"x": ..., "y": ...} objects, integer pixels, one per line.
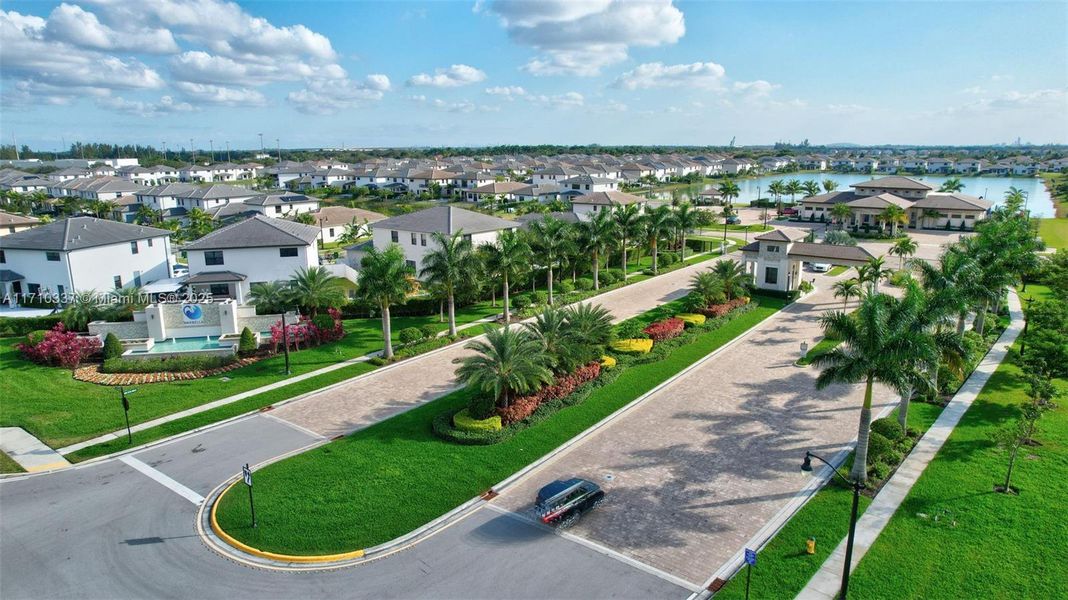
[{"x": 224, "y": 544}]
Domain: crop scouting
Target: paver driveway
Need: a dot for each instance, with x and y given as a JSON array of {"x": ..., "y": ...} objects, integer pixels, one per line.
[{"x": 698, "y": 468}]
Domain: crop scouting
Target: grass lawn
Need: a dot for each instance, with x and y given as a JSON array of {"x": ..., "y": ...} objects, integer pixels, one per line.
[
  {"x": 52, "y": 405},
  {"x": 783, "y": 566},
  {"x": 836, "y": 271},
  {"x": 1035, "y": 291},
  {"x": 1054, "y": 232},
  {"x": 388, "y": 479},
  {"x": 7, "y": 465},
  {"x": 1001, "y": 545},
  {"x": 824, "y": 346}
]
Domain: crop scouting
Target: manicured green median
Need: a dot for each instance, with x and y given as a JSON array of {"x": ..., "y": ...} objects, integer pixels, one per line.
[
  {"x": 7, "y": 465},
  {"x": 388, "y": 479}
]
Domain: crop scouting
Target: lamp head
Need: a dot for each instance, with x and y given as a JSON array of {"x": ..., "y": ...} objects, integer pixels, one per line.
[{"x": 807, "y": 464}]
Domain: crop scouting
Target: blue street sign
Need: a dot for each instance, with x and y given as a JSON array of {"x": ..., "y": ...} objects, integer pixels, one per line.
[{"x": 750, "y": 557}]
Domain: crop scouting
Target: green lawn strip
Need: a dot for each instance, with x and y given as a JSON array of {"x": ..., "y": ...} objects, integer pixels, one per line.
[
  {"x": 1054, "y": 232},
  {"x": 1001, "y": 545},
  {"x": 835, "y": 271},
  {"x": 783, "y": 567},
  {"x": 824, "y": 346},
  {"x": 1036, "y": 292},
  {"x": 220, "y": 413},
  {"x": 59, "y": 410},
  {"x": 8, "y": 465},
  {"x": 389, "y": 479}
]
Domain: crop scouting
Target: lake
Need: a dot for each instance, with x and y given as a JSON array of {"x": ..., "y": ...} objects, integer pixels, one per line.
[{"x": 991, "y": 188}]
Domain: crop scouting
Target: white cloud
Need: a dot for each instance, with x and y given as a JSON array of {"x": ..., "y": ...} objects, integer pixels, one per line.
[
  {"x": 566, "y": 100},
  {"x": 325, "y": 97},
  {"x": 221, "y": 95},
  {"x": 707, "y": 75},
  {"x": 447, "y": 77},
  {"x": 76, "y": 26},
  {"x": 582, "y": 37},
  {"x": 508, "y": 92},
  {"x": 758, "y": 88},
  {"x": 1037, "y": 100},
  {"x": 611, "y": 106},
  {"x": 462, "y": 106},
  {"x": 166, "y": 105},
  {"x": 200, "y": 67},
  {"x": 846, "y": 109}
]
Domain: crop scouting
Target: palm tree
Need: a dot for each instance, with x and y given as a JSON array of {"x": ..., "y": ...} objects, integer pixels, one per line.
[
  {"x": 451, "y": 264},
  {"x": 628, "y": 223},
  {"x": 686, "y": 219},
  {"x": 658, "y": 222},
  {"x": 732, "y": 275},
  {"x": 313, "y": 288},
  {"x": 952, "y": 281},
  {"x": 590, "y": 325},
  {"x": 793, "y": 187},
  {"x": 508, "y": 258},
  {"x": 305, "y": 218},
  {"x": 199, "y": 223},
  {"x": 596, "y": 236},
  {"x": 829, "y": 185},
  {"x": 846, "y": 289},
  {"x": 811, "y": 188},
  {"x": 777, "y": 188},
  {"x": 903, "y": 248},
  {"x": 145, "y": 215},
  {"x": 82, "y": 308},
  {"x": 880, "y": 343},
  {"x": 841, "y": 212},
  {"x": 1015, "y": 199},
  {"x": 551, "y": 239},
  {"x": 507, "y": 363},
  {"x": 551, "y": 329},
  {"x": 101, "y": 209},
  {"x": 729, "y": 190},
  {"x": 873, "y": 272},
  {"x": 385, "y": 279},
  {"x": 894, "y": 215},
  {"x": 708, "y": 287},
  {"x": 953, "y": 184},
  {"x": 269, "y": 296}
]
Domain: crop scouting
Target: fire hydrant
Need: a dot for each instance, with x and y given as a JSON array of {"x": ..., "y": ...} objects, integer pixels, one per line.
[{"x": 810, "y": 545}]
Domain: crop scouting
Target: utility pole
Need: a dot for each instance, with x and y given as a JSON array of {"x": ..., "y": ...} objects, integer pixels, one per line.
[
  {"x": 279, "y": 144},
  {"x": 227, "y": 151},
  {"x": 261, "y": 143},
  {"x": 164, "y": 150},
  {"x": 193, "y": 149},
  {"x": 15, "y": 143},
  {"x": 211, "y": 144}
]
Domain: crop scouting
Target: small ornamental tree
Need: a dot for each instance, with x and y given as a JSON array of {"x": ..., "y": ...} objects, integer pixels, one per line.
[
  {"x": 1010, "y": 438},
  {"x": 60, "y": 348},
  {"x": 247, "y": 345},
  {"x": 112, "y": 346}
]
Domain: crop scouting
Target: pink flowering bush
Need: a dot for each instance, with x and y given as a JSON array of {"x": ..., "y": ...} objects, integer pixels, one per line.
[
  {"x": 665, "y": 330},
  {"x": 307, "y": 331},
  {"x": 59, "y": 347}
]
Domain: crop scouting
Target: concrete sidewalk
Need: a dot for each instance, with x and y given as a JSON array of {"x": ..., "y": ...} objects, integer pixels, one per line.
[
  {"x": 29, "y": 452},
  {"x": 825, "y": 584}
]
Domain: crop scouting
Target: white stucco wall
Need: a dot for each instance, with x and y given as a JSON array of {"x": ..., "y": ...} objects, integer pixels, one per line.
[
  {"x": 92, "y": 268},
  {"x": 257, "y": 264},
  {"x": 416, "y": 252}
]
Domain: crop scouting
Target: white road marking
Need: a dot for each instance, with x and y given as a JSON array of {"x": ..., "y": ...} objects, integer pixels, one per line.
[
  {"x": 163, "y": 479},
  {"x": 303, "y": 430},
  {"x": 686, "y": 585}
]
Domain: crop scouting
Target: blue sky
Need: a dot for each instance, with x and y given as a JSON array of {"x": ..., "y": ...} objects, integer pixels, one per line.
[{"x": 561, "y": 71}]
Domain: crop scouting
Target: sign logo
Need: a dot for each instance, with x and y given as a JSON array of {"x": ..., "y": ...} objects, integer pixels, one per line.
[{"x": 192, "y": 313}]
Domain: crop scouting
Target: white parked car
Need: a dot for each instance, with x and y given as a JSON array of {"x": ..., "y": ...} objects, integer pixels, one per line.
[{"x": 821, "y": 267}]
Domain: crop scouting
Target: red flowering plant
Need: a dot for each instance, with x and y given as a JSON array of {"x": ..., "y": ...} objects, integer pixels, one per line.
[
  {"x": 60, "y": 347},
  {"x": 665, "y": 330},
  {"x": 562, "y": 387},
  {"x": 323, "y": 328},
  {"x": 718, "y": 310}
]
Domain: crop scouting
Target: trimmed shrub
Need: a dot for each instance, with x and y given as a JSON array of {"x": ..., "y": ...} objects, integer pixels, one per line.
[
  {"x": 539, "y": 297},
  {"x": 718, "y": 310},
  {"x": 428, "y": 331},
  {"x": 585, "y": 284},
  {"x": 520, "y": 302},
  {"x": 518, "y": 410},
  {"x": 878, "y": 471},
  {"x": 11, "y": 326},
  {"x": 666, "y": 259},
  {"x": 607, "y": 362},
  {"x": 691, "y": 319},
  {"x": 665, "y": 330},
  {"x": 805, "y": 287},
  {"x": 37, "y": 336},
  {"x": 839, "y": 238},
  {"x": 564, "y": 287},
  {"x": 465, "y": 422},
  {"x": 648, "y": 271},
  {"x": 247, "y": 345},
  {"x": 60, "y": 347},
  {"x": 173, "y": 364},
  {"x": 481, "y": 407},
  {"x": 899, "y": 278},
  {"x": 410, "y": 335},
  {"x": 630, "y": 330},
  {"x": 633, "y": 346},
  {"x": 113, "y": 347},
  {"x": 889, "y": 428},
  {"x": 878, "y": 447},
  {"x": 610, "y": 276}
]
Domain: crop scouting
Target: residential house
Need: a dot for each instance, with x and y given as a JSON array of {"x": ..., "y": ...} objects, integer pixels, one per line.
[
  {"x": 334, "y": 221},
  {"x": 587, "y": 184},
  {"x": 12, "y": 223},
  {"x": 925, "y": 208},
  {"x": 500, "y": 190},
  {"x": 284, "y": 205},
  {"x": 940, "y": 165},
  {"x": 555, "y": 174},
  {"x": 774, "y": 260},
  {"x": 587, "y": 205}
]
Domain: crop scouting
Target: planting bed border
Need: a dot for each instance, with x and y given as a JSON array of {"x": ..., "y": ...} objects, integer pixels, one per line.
[{"x": 92, "y": 374}]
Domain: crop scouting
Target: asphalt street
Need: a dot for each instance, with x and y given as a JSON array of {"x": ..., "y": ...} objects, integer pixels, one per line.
[{"x": 113, "y": 531}]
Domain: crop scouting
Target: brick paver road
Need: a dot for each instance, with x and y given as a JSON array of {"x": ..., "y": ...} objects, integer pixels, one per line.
[
  {"x": 698, "y": 468},
  {"x": 389, "y": 391}
]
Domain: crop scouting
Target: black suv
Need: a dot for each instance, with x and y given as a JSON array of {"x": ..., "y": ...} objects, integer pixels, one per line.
[{"x": 561, "y": 503}]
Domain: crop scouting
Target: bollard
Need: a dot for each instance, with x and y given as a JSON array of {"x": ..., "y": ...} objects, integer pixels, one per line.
[{"x": 810, "y": 545}]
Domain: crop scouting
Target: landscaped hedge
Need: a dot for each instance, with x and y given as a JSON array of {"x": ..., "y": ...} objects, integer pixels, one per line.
[
  {"x": 174, "y": 364},
  {"x": 12, "y": 326},
  {"x": 633, "y": 346},
  {"x": 718, "y": 310},
  {"x": 465, "y": 422},
  {"x": 665, "y": 330},
  {"x": 691, "y": 318}
]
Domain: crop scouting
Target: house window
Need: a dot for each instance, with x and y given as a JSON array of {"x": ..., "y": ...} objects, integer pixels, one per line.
[
  {"x": 149, "y": 242},
  {"x": 413, "y": 238},
  {"x": 213, "y": 257},
  {"x": 422, "y": 239},
  {"x": 3, "y": 257},
  {"x": 773, "y": 248},
  {"x": 394, "y": 237},
  {"x": 118, "y": 282},
  {"x": 467, "y": 237},
  {"x": 219, "y": 289},
  {"x": 287, "y": 252},
  {"x": 277, "y": 210},
  {"x": 771, "y": 275},
  {"x": 410, "y": 263},
  {"x": 331, "y": 232},
  {"x": 34, "y": 289},
  {"x": 60, "y": 290},
  {"x": 133, "y": 247},
  {"x": 52, "y": 256}
]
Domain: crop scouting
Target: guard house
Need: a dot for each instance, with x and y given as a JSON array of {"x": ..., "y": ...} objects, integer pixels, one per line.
[{"x": 775, "y": 259}]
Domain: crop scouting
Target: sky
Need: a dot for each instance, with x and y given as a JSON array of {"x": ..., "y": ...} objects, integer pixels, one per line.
[{"x": 395, "y": 73}]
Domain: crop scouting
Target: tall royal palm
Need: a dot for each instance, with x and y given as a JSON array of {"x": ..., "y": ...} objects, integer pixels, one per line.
[
  {"x": 451, "y": 264},
  {"x": 508, "y": 258},
  {"x": 881, "y": 343},
  {"x": 315, "y": 288},
  {"x": 793, "y": 187},
  {"x": 902, "y": 249},
  {"x": 953, "y": 184},
  {"x": 551, "y": 239},
  {"x": 658, "y": 223},
  {"x": 873, "y": 272},
  {"x": 686, "y": 220},
  {"x": 628, "y": 223},
  {"x": 811, "y": 188},
  {"x": 385, "y": 280},
  {"x": 508, "y": 362},
  {"x": 846, "y": 289},
  {"x": 829, "y": 185},
  {"x": 596, "y": 236},
  {"x": 729, "y": 190}
]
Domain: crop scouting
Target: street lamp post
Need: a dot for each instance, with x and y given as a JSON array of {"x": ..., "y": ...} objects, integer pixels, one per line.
[
  {"x": 211, "y": 146},
  {"x": 227, "y": 151},
  {"x": 126, "y": 411},
  {"x": 193, "y": 149},
  {"x": 857, "y": 487}
]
